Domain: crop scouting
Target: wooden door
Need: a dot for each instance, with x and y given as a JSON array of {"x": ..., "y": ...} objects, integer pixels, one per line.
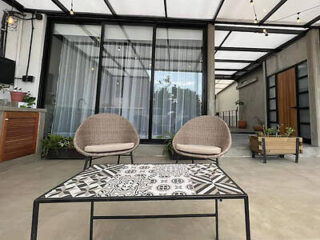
[
  {"x": 287, "y": 101},
  {"x": 19, "y": 134}
]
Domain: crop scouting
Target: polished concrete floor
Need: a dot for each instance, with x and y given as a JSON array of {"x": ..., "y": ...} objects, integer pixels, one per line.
[{"x": 284, "y": 203}]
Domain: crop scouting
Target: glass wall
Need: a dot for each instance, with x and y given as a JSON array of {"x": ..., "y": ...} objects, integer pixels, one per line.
[
  {"x": 178, "y": 79},
  {"x": 126, "y": 74},
  {"x": 72, "y": 77},
  {"x": 123, "y": 72}
]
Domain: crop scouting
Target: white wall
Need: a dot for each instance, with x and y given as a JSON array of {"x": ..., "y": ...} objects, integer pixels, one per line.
[
  {"x": 225, "y": 100},
  {"x": 3, "y": 6},
  {"x": 17, "y": 49}
]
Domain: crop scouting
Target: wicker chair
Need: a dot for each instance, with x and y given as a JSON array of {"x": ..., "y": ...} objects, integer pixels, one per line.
[
  {"x": 204, "y": 137},
  {"x": 104, "y": 135}
]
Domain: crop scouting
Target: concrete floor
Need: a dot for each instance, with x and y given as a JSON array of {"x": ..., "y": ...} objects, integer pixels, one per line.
[{"x": 284, "y": 203}]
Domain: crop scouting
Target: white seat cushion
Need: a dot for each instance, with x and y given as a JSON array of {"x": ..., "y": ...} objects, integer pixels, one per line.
[
  {"x": 111, "y": 147},
  {"x": 199, "y": 149}
]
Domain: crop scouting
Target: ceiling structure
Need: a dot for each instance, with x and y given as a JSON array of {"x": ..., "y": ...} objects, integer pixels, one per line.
[{"x": 246, "y": 31}]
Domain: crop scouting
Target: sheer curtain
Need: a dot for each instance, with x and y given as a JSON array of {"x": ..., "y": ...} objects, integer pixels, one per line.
[
  {"x": 77, "y": 82},
  {"x": 178, "y": 79},
  {"x": 126, "y": 74}
]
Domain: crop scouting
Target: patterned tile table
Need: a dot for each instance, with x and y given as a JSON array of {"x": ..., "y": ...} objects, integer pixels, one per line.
[{"x": 145, "y": 182}]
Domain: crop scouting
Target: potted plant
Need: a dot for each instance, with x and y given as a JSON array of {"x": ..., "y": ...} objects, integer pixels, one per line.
[
  {"x": 271, "y": 142},
  {"x": 28, "y": 101},
  {"x": 259, "y": 126},
  {"x": 17, "y": 95},
  {"x": 59, "y": 147},
  {"x": 241, "y": 123},
  {"x": 168, "y": 147}
]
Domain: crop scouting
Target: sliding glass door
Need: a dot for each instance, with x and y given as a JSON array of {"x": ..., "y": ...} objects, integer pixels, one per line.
[
  {"x": 177, "y": 95},
  {"x": 126, "y": 74},
  {"x": 150, "y": 75}
]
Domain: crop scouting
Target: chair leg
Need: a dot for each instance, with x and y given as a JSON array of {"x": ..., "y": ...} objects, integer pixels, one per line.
[
  {"x": 131, "y": 157},
  {"x": 217, "y": 161},
  {"x": 90, "y": 161},
  {"x": 118, "y": 159},
  {"x": 86, "y": 163},
  {"x": 192, "y": 160}
]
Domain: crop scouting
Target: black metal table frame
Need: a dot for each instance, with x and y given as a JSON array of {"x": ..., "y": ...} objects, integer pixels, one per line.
[{"x": 92, "y": 200}]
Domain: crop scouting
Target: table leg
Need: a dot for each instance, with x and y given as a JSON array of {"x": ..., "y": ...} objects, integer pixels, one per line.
[
  {"x": 91, "y": 219},
  {"x": 217, "y": 221},
  {"x": 247, "y": 218},
  {"x": 35, "y": 216}
]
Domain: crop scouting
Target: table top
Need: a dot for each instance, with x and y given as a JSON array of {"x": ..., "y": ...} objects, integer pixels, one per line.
[{"x": 147, "y": 182}]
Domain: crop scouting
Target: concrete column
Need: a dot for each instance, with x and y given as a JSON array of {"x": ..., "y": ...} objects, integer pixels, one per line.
[
  {"x": 211, "y": 104},
  {"x": 313, "y": 55}
]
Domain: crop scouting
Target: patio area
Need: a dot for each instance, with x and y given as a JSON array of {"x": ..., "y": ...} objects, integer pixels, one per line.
[{"x": 284, "y": 202}]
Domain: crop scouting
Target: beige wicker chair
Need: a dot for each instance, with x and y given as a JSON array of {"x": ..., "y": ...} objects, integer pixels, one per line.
[
  {"x": 204, "y": 137},
  {"x": 104, "y": 135}
]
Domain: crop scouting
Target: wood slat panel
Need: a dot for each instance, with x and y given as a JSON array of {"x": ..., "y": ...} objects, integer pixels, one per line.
[{"x": 19, "y": 134}]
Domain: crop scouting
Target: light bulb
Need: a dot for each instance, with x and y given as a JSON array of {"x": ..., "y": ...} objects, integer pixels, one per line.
[
  {"x": 251, "y": 2},
  {"x": 71, "y": 12},
  {"x": 255, "y": 20},
  {"x": 10, "y": 20},
  {"x": 265, "y": 32},
  {"x": 298, "y": 17}
]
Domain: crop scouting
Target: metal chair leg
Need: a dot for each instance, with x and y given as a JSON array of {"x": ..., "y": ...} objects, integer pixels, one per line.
[
  {"x": 86, "y": 163},
  {"x": 131, "y": 157},
  {"x": 118, "y": 159},
  {"x": 217, "y": 161},
  {"x": 90, "y": 161}
]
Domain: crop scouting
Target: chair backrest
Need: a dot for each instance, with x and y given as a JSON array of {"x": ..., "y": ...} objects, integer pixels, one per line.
[
  {"x": 205, "y": 130},
  {"x": 105, "y": 128}
]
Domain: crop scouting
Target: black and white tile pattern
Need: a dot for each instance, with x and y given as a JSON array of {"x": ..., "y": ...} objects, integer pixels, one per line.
[{"x": 146, "y": 180}]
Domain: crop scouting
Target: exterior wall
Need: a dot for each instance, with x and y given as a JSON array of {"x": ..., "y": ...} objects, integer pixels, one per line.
[
  {"x": 225, "y": 100},
  {"x": 211, "y": 105},
  {"x": 253, "y": 97},
  {"x": 17, "y": 49},
  {"x": 306, "y": 48}
]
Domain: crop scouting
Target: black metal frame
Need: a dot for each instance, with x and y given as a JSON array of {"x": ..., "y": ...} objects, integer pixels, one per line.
[
  {"x": 118, "y": 21},
  {"x": 295, "y": 66},
  {"x": 92, "y": 200}
]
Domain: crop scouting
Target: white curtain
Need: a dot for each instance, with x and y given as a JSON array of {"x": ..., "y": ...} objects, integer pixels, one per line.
[{"x": 77, "y": 83}]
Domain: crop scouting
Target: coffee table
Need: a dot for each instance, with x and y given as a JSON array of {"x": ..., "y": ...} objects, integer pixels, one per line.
[{"x": 145, "y": 182}]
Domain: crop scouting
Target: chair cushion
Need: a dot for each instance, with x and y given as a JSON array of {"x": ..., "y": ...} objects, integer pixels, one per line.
[
  {"x": 111, "y": 147},
  {"x": 199, "y": 149}
]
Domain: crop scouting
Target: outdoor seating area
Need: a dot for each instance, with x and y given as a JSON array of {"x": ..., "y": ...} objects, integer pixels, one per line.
[{"x": 162, "y": 119}]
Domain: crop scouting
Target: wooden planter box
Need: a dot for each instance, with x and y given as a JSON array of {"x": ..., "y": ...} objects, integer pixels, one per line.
[
  {"x": 64, "y": 154},
  {"x": 281, "y": 146}
]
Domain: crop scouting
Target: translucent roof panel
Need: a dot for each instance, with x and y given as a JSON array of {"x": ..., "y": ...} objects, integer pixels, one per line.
[
  {"x": 225, "y": 72},
  {"x": 219, "y": 36},
  {"x": 239, "y": 55},
  {"x": 139, "y": 7},
  {"x": 92, "y": 6},
  {"x": 242, "y": 10},
  {"x": 202, "y": 9},
  {"x": 288, "y": 12},
  {"x": 222, "y": 84},
  {"x": 230, "y": 65},
  {"x": 257, "y": 40},
  {"x": 39, "y": 4}
]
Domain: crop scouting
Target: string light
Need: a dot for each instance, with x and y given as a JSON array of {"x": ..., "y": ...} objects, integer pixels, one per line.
[
  {"x": 251, "y": 2},
  {"x": 71, "y": 9},
  {"x": 298, "y": 17},
  {"x": 265, "y": 31},
  {"x": 10, "y": 20},
  {"x": 255, "y": 20}
]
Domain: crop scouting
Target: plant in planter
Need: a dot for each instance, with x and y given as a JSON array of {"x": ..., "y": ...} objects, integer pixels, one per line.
[
  {"x": 17, "y": 95},
  {"x": 28, "y": 100},
  {"x": 168, "y": 147},
  {"x": 59, "y": 147},
  {"x": 241, "y": 123},
  {"x": 271, "y": 142},
  {"x": 259, "y": 126}
]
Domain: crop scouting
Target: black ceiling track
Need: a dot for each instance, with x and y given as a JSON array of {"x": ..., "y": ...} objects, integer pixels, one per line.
[
  {"x": 218, "y": 10},
  {"x": 273, "y": 10},
  {"x": 223, "y": 41},
  {"x": 113, "y": 12},
  {"x": 233, "y": 61},
  {"x": 245, "y": 49},
  {"x": 223, "y": 77},
  {"x": 15, "y": 4},
  {"x": 256, "y": 29},
  {"x": 165, "y": 8},
  {"x": 61, "y": 6},
  {"x": 309, "y": 24}
]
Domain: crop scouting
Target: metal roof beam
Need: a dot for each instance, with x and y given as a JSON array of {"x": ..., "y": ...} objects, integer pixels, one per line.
[
  {"x": 255, "y": 29},
  {"x": 111, "y": 9},
  {"x": 218, "y": 10},
  {"x": 273, "y": 10},
  {"x": 61, "y": 6}
]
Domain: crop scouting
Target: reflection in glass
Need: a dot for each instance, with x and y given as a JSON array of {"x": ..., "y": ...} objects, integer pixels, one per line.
[
  {"x": 178, "y": 79},
  {"x": 302, "y": 69},
  {"x": 304, "y": 100},
  {"x": 304, "y": 115},
  {"x": 272, "y": 104},
  {"x": 126, "y": 74},
  {"x": 72, "y": 77},
  {"x": 273, "y": 116},
  {"x": 303, "y": 84},
  {"x": 305, "y": 131},
  {"x": 272, "y": 81},
  {"x": 272, "y": 92}
]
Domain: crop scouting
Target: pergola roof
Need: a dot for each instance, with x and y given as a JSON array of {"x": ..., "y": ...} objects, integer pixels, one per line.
[{"x": 241, "y": 45}]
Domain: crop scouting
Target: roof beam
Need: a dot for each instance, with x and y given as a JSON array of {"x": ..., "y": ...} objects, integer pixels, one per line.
[
  {"x": 165, "y": 8},
  {"x": 15, "y": 4},
  {"x": 262, "y": 25},
  {"x": 245, "y": 49},
  {"x": 233, "y": 61},
  {"x": 273, "y": 10},
  {"x": 113, "y": 12},
  {"x": 218, "y": 10},
  {"x": 256, "y": 29},
  {"x": 223, "y": 77},
  {"x": 228, "y": 69},
  {"x": 61, "y": 6},
  {"x": 225, "y": 39},
  {"x": 313, "y": 21}
]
